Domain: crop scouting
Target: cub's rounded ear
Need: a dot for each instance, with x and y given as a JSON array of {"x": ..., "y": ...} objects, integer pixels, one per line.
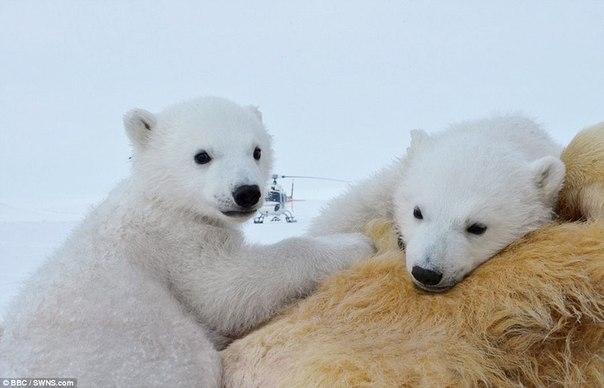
[
  {"x": 256, "y": 111},
  {"x": 139, "y": 123},
  {"x": 548, "y": 175}
]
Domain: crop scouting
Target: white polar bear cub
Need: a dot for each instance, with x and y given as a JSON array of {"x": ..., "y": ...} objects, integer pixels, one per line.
[
  {"x": 158, "y": 276},
  {"x": 459, "y": 197}
]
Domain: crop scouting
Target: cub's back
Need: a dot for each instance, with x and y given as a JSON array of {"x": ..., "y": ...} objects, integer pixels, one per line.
[{"x": 516, "y": 131}]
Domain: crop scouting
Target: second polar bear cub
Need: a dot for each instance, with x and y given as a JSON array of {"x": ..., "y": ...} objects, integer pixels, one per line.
[
  {"x": 470, "y": 191},
  {"x": 460, "y": 196}
]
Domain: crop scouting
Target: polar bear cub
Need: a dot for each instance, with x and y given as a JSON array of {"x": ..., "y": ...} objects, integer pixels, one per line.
[
  {"x": 158, "y": 276},
  {"x": 458, "y": 197}
]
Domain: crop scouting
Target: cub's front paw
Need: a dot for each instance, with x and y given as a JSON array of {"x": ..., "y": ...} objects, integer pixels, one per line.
[{"x": 351, "y": 247}]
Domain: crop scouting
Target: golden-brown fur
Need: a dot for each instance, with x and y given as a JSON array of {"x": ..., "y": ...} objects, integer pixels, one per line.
[
  {"x": 531, "y": 316},
  {"x": 583, "y": 194}
]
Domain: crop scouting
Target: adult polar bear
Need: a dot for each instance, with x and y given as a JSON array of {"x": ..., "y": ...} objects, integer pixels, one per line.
[
  {"x": 158, "y": 275},
  {"x": 458, "y": 197}
]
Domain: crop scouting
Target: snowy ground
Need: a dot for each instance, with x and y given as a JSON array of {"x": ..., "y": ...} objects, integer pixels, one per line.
[{"x": 29, "y": 233}]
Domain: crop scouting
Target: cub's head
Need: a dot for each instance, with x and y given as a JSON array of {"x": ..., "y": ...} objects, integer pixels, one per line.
[
  {"x": 208, "y": 156},
  {"x": 455, "y": 209}
]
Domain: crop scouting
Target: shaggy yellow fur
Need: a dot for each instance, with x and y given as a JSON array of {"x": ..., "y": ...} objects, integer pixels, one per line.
[
  {"x": 531, "y": 316},
  {"x": 583, "y": 195}
]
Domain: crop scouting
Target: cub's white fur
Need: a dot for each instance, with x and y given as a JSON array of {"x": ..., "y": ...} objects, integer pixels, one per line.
[
  {"x": 158, "y": 276},
  {"x": 458, "y": 197}
]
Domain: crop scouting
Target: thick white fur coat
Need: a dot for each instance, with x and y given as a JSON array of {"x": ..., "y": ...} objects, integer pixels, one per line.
[
  {"x": 158, "y": 277},
  {"x": 458, "y": 197}
]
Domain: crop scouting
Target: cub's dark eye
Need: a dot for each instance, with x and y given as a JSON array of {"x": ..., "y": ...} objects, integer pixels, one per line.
[
  {"x": 417, "y": 213},
  {"x": 476, "y": 229},
  {"x": 257, "y": 153},
  {"x": 202, "y": 157}
]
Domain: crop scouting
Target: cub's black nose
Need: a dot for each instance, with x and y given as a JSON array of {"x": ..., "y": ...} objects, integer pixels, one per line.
[
  {"x": 246, "y": 196},
  {"x": 426, "y": 276}
]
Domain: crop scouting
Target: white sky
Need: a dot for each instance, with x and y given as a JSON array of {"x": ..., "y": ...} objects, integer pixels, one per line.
[{"x": 340, "y": 83}]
